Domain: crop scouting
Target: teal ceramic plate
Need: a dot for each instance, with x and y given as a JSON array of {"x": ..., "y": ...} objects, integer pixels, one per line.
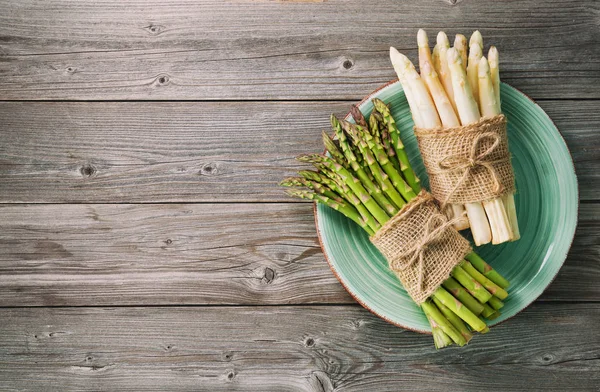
[{"x": 546, "y": 200}]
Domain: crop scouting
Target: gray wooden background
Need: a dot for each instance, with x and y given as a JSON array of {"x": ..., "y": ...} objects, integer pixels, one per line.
[{"x": 145, "y": 246}]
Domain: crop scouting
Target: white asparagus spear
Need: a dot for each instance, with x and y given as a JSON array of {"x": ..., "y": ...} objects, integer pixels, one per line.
[
  {"x": 468, "y": 111},
  {"x": 475, "y": 54},
  {"x": 442, "y": 103},
  {"x": 468, "y": 114},
  {"x": 414, "y": 110},
  {"x": 509, "y": 200},
  {"x": 487, "y": 98},
  {"x": 494, "y": 71},
  {"x": 495, "y": 209},
  {"x": 449, "y": 119},
  {"x": 443, "y": 106},
  {"x": 444, "y": 73},
  {"x": 435, "y": 59},
  {"x": 405, "y": 69},
  {"x": 412, "y": 103},
  {"x": 476, "y": 38},
  {"x": 460, "y": 43}
]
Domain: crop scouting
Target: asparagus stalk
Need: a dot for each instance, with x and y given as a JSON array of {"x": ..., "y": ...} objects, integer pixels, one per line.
[
  {"x": 460, "y": 44},
  {"x": 494, "y": 71},
  {"x": 490, "y": 286},
  {"x": 394, "y": 132},
  {"x": 313, "y": 185},
  {"x": 495, "y": 208},
  {"x": 496, "y": 303},
  {"x": 454, "y": 320},
  {"x": 375, "y": 124},
  {"x": 371, "y": 145},
  {"x": 374, "y": 190},
  {"x": 459, "y": 309},
  {"x": 463, "y": 295},
  {"x": 407, "y": 74},
  {"x": 358, "y": 117},
  {"x": 444, "y": 69},
  {"x": 443, "y": 106},
  {"x": 323, "y": 162},
  {"x": 475, "y": 54},
  {"x": 344, "y": 208},
  {"x": 331, "y": 180},
  {"x": 440, "y": 98},
  {"x": 509, "y": 199},
  {"x": 487, "y": 270},
  {"x": 473, "y": 287},
  {"x": 380, "y": 175},
  {"x": 468, "y": 113},
  {"x": 440, "y": 339},
  {"x": 443, "y": 323},
  {"x": 489, "y": 312}
]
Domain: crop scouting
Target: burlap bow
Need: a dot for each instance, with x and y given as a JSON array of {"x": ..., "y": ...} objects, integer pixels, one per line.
[
  {"x": 474, "y": 160},
  {"x": 434, "y": 228},
  {"x": 469, "y": 163}
]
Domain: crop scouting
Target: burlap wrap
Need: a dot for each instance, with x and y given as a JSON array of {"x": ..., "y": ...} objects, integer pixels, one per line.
[
  {"x": 469, "y": 163},
  {"x": 421, "y": 246}
]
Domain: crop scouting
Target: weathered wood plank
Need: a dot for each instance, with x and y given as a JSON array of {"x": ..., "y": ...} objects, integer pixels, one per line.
[
  {"x": 336, "y": 49},
  {"x": 157, "y": 152},
  {"x": 117, "y": 254},
  {"x": 550, "y": 347}
]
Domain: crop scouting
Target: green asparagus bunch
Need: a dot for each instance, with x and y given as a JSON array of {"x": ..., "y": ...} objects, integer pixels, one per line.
[{"x": 367, "y": 176}]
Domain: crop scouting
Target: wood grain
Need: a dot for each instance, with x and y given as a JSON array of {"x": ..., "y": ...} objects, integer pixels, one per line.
[
  {"x": 202, "y": 254},
  {"x": 241, "y": 49},
  {"x": 195, "y": 152},
  {"x": 550, "y": 347}
]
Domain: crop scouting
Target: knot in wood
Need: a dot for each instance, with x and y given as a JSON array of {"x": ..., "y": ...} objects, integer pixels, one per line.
[
  {"x": 154, "y": 29},
  {"x": 348, "y": 64},
  {"x": 269, "y": 275},
  {"x": 209, "y": 169},
  {"x": 87, "y": 170},
  {"x": 163, "y": 80}
]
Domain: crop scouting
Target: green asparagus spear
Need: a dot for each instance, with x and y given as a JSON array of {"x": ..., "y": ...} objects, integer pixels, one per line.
[
  {"x": 487, "y": 270},
  {"x": 405, "y": 167},
  {"x": 374, "y": 190}
]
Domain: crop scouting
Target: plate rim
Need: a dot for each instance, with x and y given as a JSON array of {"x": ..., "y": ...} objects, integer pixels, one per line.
[{"x": 425, "y": 332}]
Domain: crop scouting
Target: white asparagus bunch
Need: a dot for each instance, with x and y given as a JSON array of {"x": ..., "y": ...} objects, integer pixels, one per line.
[{"x": 456, "y": 89}]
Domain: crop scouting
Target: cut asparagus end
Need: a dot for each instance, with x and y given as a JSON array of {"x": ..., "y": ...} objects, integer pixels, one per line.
[
  {"x": 499, "y": 222},
  {"x": 480, "y": 227},
  {"x": 459, "y": 210},
  {"x": 511, "y": 211}
]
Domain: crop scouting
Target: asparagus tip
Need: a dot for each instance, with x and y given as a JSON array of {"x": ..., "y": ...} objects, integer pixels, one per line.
[
  {"x": 460, "y": 41},
  {"x": 475, "y": 51},
  {"x": 476, "y": 38},
  {"x": 453, "y": 56},
  {"x": 422, "y": 39},
  {"x": 493, "y": 56},
  {"x": 483, "y": 68},
  {"x": 442, "y": 40}
]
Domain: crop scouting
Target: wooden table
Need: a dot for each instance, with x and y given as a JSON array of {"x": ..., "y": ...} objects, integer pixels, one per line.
[{"x": 145, "y": 245}]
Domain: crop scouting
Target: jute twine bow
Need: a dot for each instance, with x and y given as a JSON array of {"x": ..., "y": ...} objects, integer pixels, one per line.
[
  {"x": 434, "y": 229},
  {"x": 466, "y": 164},
  {"x": 469, "y": 163},
  {"x": 421, "y": 246}
]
